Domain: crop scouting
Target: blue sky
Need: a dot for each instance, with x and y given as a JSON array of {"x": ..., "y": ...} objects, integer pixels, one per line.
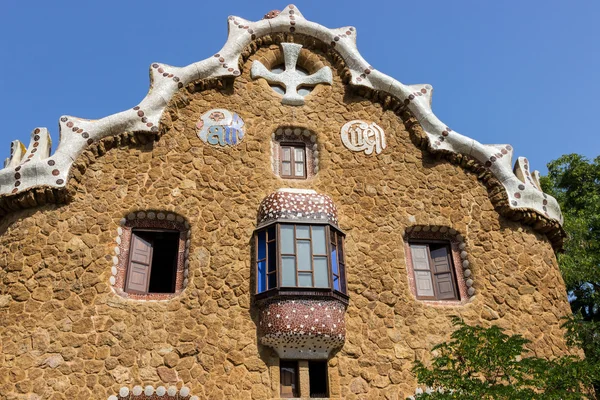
[{"x": 518, "y": 72}]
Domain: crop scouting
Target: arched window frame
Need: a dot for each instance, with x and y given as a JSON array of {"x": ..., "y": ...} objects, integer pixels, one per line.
[
  {"x": 146, "y": 221},
  {"x": 457, "y": 256},
  {"x": 298, "y": 137}
]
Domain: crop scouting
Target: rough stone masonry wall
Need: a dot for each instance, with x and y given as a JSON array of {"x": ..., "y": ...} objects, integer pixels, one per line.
[{"x": 65, "y": 334}]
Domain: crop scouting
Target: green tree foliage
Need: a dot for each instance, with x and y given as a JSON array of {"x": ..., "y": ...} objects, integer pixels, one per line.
[
  {"x": 485, "y": 363},
  {"x": 575, "y": 182}
]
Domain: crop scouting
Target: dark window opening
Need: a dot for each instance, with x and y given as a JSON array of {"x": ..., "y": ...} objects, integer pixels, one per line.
[
  {"x": 435, "y": 278},
  {"x": 317, "y": 375},
  {"x": 152, "y": 263},
  {"x": 288, "y": 377}
]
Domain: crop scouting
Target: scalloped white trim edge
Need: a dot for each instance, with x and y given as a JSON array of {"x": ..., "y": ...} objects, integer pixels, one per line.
[
  {"x": 150, "y": 390},
  {"x": 25, "y": 170}
]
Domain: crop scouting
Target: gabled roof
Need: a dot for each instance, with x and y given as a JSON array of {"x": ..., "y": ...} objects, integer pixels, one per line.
[{"x": 34, "y": 167}]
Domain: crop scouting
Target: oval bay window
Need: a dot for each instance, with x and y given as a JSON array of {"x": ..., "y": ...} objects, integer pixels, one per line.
[
  {"x": 300, "y": 271},
  {"x": 290, "y": 256}
]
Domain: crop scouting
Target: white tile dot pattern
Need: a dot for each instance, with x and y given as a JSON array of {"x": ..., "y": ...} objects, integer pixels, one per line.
[
  {"x": 291, "y": 205},
  {"x": 305, "y": 328}
]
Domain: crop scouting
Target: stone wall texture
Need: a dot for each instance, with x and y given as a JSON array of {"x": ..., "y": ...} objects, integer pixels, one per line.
[{"x": 66, "y": 335}]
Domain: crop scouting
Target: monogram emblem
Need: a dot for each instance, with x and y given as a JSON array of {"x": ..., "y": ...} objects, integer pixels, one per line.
[
  {"x": 220, "y": 127},
  {"x": 359, "y": 135}
]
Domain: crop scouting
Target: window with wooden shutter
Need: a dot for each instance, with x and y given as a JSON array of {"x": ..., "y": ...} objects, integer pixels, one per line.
[
  {"x": 433, "y": 270},
  {"x": 152, "y": 265},
  {"x": 293, "y": 161},
  {"x": 140, "y": 261}
]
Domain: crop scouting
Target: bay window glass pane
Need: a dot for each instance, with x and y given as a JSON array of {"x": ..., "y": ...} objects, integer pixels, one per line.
[
  {"x": 261, "y": 276},
  {"x": 299, "y": 169},
  {"x": 286, "y": 168},
  {"x": 318, "y": 238},
  {"x": 340, "y": 245},
  {"x": 305, "y": 279},
  {"x": 272, "y": 281},
  {"x": 342, "y": 278},
  {"x": 302, "y": 232},
  {"x": 272, "y": 257},
  {"x": 304, "y": 258},
  {"x": 336, "y": 282},
  {"x": 334, "y": 260},
  {"x": 261, "y": 267},
  {"x": 286, "y": 154},
  {"x": 287, "y": 239},
  {"x": 271, "y": 233},
  {"x": 321, "y": 273},
  {"x": 288, "y": 271},
  {"x": 261, "y": 244},
  {"x": 299, "y": 154}
]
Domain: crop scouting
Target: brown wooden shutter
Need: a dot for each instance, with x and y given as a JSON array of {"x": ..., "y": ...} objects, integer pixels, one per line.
[
  {"x": 442, "y": 272},
  {"x": 420, "y": 259},
  {"x": 140, "y": 260}
]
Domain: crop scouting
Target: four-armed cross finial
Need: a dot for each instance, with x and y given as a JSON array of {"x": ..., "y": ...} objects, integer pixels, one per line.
[{"x": 291, "y": 79}]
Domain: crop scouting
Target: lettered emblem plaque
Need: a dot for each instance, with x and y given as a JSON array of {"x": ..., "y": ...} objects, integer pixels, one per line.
[
  {"x": 364, "y": 136},
  {"x": 220, "y": 127}
]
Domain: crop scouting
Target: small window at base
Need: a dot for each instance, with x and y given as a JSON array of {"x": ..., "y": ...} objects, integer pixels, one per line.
[
  {"x": 317, "y": 373},
  {"x": 288, "y": 377}
]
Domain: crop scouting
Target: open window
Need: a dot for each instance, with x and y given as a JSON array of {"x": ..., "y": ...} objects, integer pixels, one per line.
[
  {"x": 293, "y": 376},
  {"x": 150, "y": 257},
  {"x": 152, "y": 264},
  {"x": 317, "y": 374}
]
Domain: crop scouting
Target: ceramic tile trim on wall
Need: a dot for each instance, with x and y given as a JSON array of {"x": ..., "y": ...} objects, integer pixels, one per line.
[{"x": 39, "y": 169}]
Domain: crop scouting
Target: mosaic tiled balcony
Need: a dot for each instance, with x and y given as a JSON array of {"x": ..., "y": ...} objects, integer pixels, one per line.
[{"x": 300, "y": 275}]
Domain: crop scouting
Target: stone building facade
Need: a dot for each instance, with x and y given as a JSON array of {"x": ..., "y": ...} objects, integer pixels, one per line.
[{"x": 278, "y": 220}]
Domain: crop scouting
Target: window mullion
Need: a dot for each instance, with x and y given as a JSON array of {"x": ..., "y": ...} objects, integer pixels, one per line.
[
  {"x": 257, "y": 261},
  {"x": 296, "y": 255}
]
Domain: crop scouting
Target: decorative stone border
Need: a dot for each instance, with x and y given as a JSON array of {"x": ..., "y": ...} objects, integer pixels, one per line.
[
  {"x": 292, "y": 134},
  {"x": 464, "y": 275},
  {"x": 149, "y": 392},
  {"x": 150, "y": 219}
]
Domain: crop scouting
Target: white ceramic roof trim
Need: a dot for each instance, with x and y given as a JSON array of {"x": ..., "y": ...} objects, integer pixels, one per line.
[{"x": 37, "y": 172}]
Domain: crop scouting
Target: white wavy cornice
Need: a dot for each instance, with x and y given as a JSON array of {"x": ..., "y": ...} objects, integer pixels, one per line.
[{"x": 35, "y": 167}]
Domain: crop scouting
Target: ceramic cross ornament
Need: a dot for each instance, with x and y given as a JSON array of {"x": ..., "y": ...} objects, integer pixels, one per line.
[{"x": 291, "y": 78}]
